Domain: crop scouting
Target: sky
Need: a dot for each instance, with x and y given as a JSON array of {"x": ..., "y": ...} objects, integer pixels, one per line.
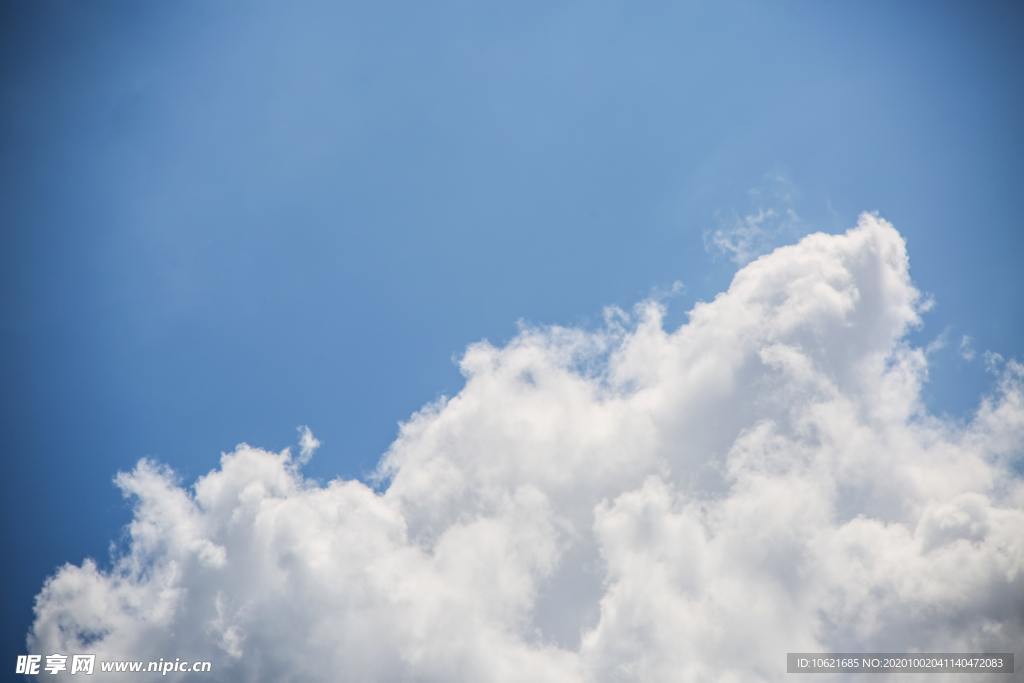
[{"x": 224, "y": 222}]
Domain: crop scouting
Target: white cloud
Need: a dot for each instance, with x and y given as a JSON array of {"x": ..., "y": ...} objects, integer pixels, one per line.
[
  {"x": 993, "y": 361},
  {"x": 627, "y": 504},
  {"x": 307, "y": 444},
  {"x": 772, "y": 221},
  {"x": 939, "y": 343},
  {"x": 967, "y": 348}
]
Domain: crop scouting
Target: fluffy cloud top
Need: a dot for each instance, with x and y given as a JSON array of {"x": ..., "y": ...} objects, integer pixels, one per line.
[{"x": 627, "y": 504}]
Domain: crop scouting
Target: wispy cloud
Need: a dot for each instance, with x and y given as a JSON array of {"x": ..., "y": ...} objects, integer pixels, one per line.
[
  {"x": 967, "y": 347},
  {"x": 938, "y": 343},
  {"x": 308, "y": 444},
  {"x": 771, "y": 220}
]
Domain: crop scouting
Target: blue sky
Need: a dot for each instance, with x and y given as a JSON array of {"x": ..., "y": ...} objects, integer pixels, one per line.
[{"x": 221, "y": 222}]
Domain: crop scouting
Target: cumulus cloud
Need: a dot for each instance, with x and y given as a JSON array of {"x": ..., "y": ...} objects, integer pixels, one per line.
[{"x": 632, "y": 503}]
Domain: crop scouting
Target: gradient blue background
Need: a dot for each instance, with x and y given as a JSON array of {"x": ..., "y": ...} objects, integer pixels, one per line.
[{"x": 223, "y": 220}]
